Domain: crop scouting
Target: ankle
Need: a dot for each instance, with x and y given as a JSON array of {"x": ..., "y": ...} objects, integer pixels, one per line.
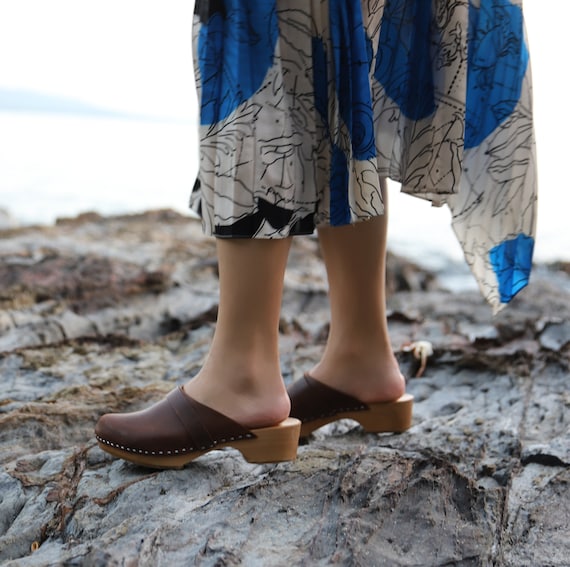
[
  {"x": 368, "y": 376},
  {"x": 254, "y": 399}
]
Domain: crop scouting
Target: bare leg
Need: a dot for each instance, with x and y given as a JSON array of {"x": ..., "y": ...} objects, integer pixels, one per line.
[
  {"x": 241, "y": 377},
  {"x": 358, "y": 358}
]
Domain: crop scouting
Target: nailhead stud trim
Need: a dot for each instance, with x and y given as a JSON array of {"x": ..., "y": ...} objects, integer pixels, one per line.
[{"x": 173, "y": 452}]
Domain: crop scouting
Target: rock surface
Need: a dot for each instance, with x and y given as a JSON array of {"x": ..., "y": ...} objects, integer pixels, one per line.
[{"x": 104, "y": 314}]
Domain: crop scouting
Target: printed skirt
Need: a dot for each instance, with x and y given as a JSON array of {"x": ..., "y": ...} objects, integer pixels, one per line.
[{"x": 306, "y": 104}]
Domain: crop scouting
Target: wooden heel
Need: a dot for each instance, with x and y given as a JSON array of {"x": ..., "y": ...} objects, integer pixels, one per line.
[
  {"x": 272, "y": 444},
  {"x": 384, "y": 417}
]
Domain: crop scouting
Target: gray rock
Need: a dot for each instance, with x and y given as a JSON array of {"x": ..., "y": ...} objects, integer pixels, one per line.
[
  {"x": 480, "y": 479},
  {"x": 556, "y": 336}
]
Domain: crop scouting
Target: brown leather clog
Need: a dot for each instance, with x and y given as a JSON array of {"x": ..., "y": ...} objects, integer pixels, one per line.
[
  {"x": 177, "y": 429},
  {"x": 317, "y": 404}
]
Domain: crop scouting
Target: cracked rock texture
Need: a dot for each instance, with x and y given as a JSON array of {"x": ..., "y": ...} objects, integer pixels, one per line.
[{"x": 108, "y": 314}]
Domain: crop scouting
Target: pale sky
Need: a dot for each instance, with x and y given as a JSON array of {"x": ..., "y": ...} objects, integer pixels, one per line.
[{"x": 133, "y": 55}]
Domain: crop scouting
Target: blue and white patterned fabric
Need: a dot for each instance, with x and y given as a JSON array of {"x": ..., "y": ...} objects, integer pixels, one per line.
[{"x": 306, "y": 104}]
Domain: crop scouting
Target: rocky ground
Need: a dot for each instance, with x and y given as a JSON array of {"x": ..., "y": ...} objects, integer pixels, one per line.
[{"x": 104, "y": 314}]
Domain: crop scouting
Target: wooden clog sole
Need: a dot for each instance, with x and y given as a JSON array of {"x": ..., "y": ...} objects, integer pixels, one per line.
[{"x": 273, "y": 444}]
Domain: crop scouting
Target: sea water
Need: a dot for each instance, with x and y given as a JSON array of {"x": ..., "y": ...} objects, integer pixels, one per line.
[{"x": 54, "y": 165}]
